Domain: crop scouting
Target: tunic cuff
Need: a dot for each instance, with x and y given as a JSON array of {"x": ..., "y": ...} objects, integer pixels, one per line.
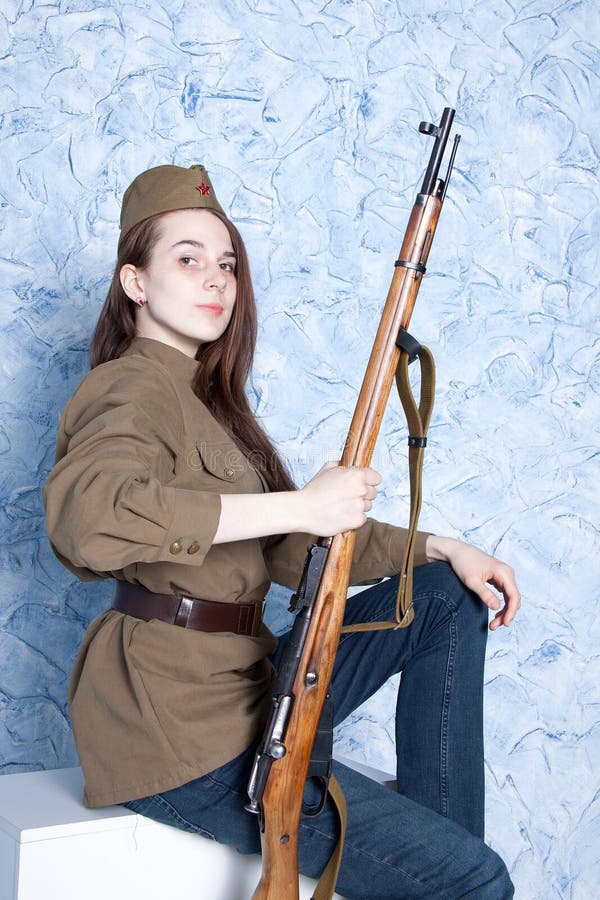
[{"x": 193, "y": 527}]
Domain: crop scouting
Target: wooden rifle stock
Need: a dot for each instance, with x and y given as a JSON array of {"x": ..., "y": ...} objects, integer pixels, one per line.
[{"x": 281, "y": 802}]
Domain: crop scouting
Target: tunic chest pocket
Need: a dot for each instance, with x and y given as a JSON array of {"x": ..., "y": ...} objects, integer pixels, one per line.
[{"x": 223, "y": 461}]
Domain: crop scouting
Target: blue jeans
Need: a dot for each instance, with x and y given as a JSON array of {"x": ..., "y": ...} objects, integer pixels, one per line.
[{"x": 426, "y": 840}]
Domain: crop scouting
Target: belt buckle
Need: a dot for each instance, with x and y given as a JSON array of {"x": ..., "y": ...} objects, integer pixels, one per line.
[
  {"x": 249, "y": 621},
  {"x": 258, "y": 617},
  {"x": 183, "y": 613}
]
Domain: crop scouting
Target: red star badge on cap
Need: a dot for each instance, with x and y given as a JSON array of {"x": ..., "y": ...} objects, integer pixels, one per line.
[{"x": 203, "y": 188}]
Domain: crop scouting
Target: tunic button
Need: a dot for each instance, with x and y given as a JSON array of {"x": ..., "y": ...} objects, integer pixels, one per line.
[
  {"x": 193, "y": 548},
  {"x": 176, "y": 546},
  {"x": 229, "y": 473}
]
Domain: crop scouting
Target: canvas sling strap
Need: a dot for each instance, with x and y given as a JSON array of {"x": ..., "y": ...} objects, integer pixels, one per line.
[
  {"x": 325, "y": 889},
  {"x": 418, "y": 417}
]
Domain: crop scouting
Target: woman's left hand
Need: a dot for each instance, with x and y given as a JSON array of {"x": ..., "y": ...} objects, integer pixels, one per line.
[{"x": 476, "y": 570}]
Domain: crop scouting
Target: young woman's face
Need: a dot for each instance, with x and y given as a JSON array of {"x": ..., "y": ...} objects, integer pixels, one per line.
[{"x": 189, "y": 287}]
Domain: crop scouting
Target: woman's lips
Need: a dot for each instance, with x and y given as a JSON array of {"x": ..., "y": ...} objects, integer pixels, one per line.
[{"x": 214, "y": 309}]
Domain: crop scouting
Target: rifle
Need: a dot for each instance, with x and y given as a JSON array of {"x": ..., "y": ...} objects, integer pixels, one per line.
[{"x": 300, "y": 692}]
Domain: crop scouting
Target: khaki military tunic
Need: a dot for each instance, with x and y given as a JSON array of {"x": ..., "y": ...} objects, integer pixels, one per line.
[{"x": 135, "y": 494}]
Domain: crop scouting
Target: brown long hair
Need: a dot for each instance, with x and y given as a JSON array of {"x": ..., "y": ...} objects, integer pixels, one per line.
[{"x": 223, "y": 365}]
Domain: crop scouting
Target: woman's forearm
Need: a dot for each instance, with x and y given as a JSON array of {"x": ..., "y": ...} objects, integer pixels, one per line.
[
  {"x": 336, "y": 499},
  {"x": 246, "y": 516}
]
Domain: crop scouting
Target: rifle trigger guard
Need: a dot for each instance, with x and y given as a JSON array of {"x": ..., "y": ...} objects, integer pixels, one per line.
[{"x": 310, "y": 810}]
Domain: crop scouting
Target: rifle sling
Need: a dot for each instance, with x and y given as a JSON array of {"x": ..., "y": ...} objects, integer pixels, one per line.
[
  {"x": 325, "y": 889},
  {"x": 418, "y": 418}
]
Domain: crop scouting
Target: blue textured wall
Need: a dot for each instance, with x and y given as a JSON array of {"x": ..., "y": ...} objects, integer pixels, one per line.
[{"x": 305, "y": 116}]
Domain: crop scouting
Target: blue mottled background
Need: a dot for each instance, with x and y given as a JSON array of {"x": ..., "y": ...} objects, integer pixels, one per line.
[{"x": 305, "y": 115}]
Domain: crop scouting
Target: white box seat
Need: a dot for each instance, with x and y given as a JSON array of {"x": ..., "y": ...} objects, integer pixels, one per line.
[{"x": 53, "y": 848}]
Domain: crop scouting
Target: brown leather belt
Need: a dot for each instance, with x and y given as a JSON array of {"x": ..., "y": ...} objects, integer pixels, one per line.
[{"x": 187, "y": 612}]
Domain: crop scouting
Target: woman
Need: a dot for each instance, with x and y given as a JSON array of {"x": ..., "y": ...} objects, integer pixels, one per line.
[{"x": 165, "y": 482}]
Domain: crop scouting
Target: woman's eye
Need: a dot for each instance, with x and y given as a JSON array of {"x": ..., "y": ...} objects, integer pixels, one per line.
[
  {"x": 187, "y": 260},
  {"x": 228, "y": 267}
]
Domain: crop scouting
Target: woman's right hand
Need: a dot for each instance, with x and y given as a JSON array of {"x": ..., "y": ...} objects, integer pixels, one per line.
[{"x": 337, "y": 499}]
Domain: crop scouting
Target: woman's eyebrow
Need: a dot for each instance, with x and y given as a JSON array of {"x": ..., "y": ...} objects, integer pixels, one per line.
[{"x": 201, "y": 246}]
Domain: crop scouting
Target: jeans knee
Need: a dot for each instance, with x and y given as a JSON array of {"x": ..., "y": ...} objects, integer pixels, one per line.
[
  {"x": 496, "y": 883},
  {"x": 472, "y": 613},
  {"x": 476, "y": 614},
  {"x": 466, "y": 606}
]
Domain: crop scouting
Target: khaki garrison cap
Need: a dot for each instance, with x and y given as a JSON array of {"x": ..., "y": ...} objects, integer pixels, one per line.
[{"x": 164, "y": 189}]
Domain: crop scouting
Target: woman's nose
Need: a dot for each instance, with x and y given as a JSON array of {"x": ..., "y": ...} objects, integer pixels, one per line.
[{"x": 215, "y": 277}]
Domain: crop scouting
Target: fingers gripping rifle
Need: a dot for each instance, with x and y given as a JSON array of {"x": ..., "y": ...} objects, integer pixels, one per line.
[{"x": 300, "y": 692}]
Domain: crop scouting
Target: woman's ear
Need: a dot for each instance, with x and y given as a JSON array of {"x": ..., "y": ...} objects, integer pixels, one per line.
[{"x": 130, "y": 282}]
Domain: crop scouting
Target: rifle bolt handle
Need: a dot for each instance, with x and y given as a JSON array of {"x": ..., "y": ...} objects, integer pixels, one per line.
[
  {"x": 311, "y": 679},
  {"x": 277, "y": 750}
]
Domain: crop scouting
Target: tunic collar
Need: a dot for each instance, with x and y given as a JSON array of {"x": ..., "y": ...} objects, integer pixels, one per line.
[{"x": 178, "y": 363}]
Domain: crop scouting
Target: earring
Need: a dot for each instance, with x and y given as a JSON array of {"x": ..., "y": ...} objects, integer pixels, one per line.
[{"x": 140, "y": 301}]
